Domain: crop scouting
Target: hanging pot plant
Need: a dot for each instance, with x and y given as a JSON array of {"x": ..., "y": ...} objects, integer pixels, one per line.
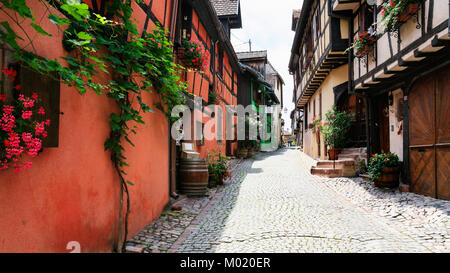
[
  {"x": 363, "y": 44},
  {"x": 193, "y": 55},
  {"x": 396, "y": 12}
]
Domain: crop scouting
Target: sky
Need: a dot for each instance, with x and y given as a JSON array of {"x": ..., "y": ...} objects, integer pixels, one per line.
[{"x": 267, "y": 24}]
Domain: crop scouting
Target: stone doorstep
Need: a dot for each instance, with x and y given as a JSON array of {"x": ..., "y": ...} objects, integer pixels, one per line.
[
  {"x": 326, "y": 172},
  {"x": 340, "y": 163},
  {"x": 353, "y": 150}
]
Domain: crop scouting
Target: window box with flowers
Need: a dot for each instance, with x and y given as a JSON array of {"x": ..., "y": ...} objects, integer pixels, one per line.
[
  {"x": 384, "y": 170},
  {"x": 396, "y": 12},
  {"x": 22, "y": 128},
  {"x": 363, "y": 44},
  {"x": 193, "y": 55}
]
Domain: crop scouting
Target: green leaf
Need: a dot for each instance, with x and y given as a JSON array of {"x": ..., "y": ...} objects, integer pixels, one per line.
[{"x": 58, "y": 20}]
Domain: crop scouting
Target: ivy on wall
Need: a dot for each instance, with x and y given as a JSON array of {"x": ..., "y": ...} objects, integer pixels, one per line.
[{"x": 137, "y": 62}]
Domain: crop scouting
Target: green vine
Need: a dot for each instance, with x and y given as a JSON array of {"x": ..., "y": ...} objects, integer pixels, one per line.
[{"x": 137, "y": 62}]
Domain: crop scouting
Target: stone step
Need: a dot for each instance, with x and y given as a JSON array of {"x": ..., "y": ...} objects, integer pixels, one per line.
[
  {"x": 352, "y": 150},
  {"x": 326, "y": 172},
  {"x": 349, "y": 156},
  {"x": 337, "y": 163}
]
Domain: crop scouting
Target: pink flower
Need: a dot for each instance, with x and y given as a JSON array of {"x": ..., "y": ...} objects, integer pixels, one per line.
[
  {"x": 26, "y": 114},
  {"x": 34, "y": 96},
  {"x": 28, "y": 103},
  {"x": 41, "y": 111}
]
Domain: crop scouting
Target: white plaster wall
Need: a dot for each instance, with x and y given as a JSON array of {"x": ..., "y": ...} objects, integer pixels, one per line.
[{"x": 396, "y": 125}]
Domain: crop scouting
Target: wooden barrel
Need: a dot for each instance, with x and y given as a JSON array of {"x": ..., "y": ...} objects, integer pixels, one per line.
[
  {"x": 194, "y": 176},
  {"x": 389, "y": 178}
]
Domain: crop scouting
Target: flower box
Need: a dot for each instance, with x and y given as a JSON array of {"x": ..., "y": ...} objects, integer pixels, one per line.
[
  {"x": 389, "y": 178},
  {"x": 410, "y": 11}
]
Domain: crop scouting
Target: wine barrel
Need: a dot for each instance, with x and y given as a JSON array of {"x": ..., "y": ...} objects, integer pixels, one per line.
[{"x": 194, "y": 176}]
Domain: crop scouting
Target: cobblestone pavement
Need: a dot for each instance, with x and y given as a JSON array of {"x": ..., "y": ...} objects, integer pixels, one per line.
[
  {"x": 273, "y": 204},
  {"x": 164, "y": 232},
  {"x": 424, "y": 218}
]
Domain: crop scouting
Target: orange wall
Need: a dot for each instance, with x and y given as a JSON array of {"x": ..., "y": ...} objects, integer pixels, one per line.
[
  {"x": 71, "y": 193},
  {"x": 198, "y": 84}
]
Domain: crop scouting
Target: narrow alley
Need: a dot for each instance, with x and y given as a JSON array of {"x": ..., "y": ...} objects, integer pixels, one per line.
[{"x": 273, "y": 204}]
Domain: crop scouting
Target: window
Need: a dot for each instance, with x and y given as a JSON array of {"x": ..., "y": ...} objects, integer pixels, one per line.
[
  {"x": 186, "y": 21},
  {"x": 200, "y": 125},
  {"x": 30, "y": 81},
  {"x": 212, "y": 53},
  {"x": 366, "y": 18},
  {"x": 306, "y": 116},
  {"x": 220, "y": 60}
]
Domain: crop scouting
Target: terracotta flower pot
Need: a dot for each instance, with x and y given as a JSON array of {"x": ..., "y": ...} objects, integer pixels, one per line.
[
  {"x": 333, "y": 153},
  {"x": 409, "y": 11},
  {"x": 389, "y": 178}
]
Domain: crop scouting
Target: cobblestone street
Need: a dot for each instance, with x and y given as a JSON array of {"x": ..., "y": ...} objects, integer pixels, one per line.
[{"x": 273, "y": 204}]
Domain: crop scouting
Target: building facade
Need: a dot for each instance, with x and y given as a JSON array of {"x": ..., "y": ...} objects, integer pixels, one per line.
[
  {"x": 319, "y": 65},
  {"x": 269, "y": 91},
  {"x": 404, "y": 79},
  {"x": 73, "y": 192},
  {"x": 397, "y": 87}
]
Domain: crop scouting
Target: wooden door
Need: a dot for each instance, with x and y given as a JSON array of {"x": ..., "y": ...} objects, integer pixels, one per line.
[
  {"x": 443, "y": 134},
  {"x": 421, "y": 137},
  {"x": 429, "y": 137},
  {"x": 382, "y": 124}
]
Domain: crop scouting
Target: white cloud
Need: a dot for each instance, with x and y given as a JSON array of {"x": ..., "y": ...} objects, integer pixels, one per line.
[{"x": 267, "y": 24}]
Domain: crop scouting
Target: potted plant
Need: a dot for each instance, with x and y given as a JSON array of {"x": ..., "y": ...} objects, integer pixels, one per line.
[
  {"x": 316, "y": 123},
  {"x": 335, "y": 130},
  {"x": 384, "y": 170},
  {"x": 193, "y": 54},
  {"x": 213, "y": 98},
  {"x": 395, "y": 12},
  {"x": 363, "y": 44},
  {"x": 218, "y": 169},
  {"x": 242, "y": 151},
  {"x": 23, "y": 128}
]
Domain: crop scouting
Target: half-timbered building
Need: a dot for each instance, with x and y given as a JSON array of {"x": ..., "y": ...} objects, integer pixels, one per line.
[
  {"x": 319, "y": 65},
  {"x": 198, "y": 20},
  {"x": 404, "y": 80},
  {"x": 264, "y": 85}
]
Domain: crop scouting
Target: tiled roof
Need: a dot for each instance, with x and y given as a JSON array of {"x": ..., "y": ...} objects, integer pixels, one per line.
[
  {"x": 226, "y": 7},
  {"x": 251, "y": 54},
  {"x": 271, "y": 70}
]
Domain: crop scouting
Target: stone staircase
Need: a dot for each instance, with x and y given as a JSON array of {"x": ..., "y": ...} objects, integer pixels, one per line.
[{"x": 346, "y": 166}]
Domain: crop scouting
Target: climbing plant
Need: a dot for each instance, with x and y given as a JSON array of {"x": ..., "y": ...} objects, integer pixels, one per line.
[{"x": 107, "y": 43}]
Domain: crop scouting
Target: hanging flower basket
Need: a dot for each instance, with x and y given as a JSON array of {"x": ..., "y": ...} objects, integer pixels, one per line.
[
  {"x": 363, "y": 44},
  {"x": 396, "y": 12},
  {"x": 361, "y": 52},
  {"x": 193, "y": 55},
  {"x": 408, "y": 12}
]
